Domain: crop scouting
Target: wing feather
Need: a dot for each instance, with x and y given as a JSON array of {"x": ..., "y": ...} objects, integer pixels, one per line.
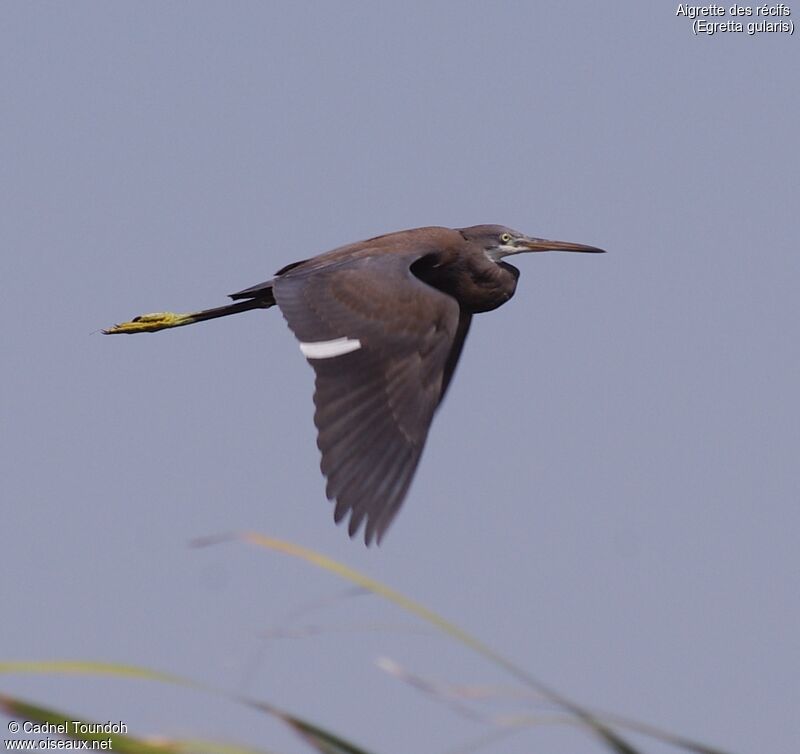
[{"x": 374, "y": 405}]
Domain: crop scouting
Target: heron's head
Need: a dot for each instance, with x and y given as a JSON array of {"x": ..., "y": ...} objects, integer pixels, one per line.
[{"x": 497, "y": 242}]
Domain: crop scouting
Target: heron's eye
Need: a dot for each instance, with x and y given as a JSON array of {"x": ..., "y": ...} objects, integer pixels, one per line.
[{"x": 505, "y": 238}]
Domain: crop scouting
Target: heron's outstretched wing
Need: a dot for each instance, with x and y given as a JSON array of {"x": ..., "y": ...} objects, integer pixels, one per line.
[{"x": 383, "y": 345}]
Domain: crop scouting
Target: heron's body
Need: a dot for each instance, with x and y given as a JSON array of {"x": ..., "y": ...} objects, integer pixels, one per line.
[
  {"x": 476, "y": 282},
  {"x": 382, "y": 322}
]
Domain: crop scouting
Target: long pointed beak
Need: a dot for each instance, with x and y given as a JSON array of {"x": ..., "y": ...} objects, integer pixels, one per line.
[{"x": 542, "y": 244}]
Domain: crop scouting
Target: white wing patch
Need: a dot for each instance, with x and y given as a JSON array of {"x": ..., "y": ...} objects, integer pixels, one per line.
[{"x": 327, "y": 349}]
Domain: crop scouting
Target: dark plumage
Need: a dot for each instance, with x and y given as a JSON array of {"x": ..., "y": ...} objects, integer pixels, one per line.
[{"x": 382, "y": 322}]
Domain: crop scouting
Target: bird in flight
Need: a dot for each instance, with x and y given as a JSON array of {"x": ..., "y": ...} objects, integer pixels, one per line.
[{"x": 382, "y": 322}]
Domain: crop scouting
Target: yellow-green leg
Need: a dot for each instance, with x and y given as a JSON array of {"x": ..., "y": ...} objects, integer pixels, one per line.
[
  {"x": 151, "y": 323},
  {"x": 163, "y": 320}
]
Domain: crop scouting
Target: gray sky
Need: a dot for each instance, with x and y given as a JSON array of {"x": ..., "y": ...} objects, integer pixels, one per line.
[{"x": 609, "y": 495}]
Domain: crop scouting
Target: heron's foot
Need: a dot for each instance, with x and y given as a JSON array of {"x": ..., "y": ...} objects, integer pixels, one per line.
[{"x": 150, "y": 323}]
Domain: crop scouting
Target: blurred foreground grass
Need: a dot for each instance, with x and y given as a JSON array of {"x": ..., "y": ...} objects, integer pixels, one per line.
[{"x": 610, "y": 730}]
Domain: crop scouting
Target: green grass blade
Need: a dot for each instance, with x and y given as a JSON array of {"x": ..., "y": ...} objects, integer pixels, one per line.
[
  {"x": 203, "y": 746},
  {"x": 119, "y": 742},
  {"x": 654, "y": 732},
  {"x": 67, "y": 724},
  {"x": 88, "y": 667},
  {"x": 322, "y": 740}
]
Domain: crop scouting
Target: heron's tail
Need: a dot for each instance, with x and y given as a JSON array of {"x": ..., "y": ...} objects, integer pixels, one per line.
[{"x": 163, "y": 320}]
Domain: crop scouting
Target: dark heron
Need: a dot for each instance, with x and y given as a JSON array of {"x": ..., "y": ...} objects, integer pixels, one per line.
[{"x": 382, "y": 322}]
